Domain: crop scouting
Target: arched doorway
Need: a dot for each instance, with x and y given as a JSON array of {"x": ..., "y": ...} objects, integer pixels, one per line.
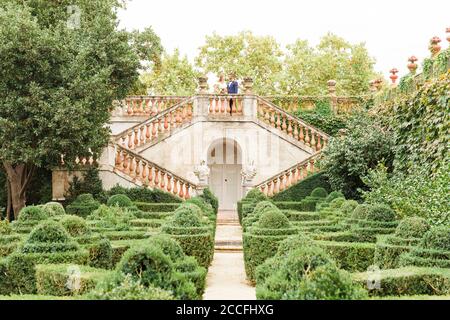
[{"x": 225, "y": 163}]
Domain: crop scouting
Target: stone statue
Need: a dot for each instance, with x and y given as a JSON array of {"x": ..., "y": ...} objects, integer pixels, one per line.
[
  {"x": 202, "y": 173},
  {"x": 249, "y": 172}
]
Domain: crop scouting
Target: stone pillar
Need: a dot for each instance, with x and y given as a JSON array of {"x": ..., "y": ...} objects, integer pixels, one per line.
[
  {"x": 60, "y": 184},
  {"x": 250, "y": 107},
  {"x": 201, "y": 103},
  {"x": 332, "y": 94},
  {"x": 248, "y": 174}
]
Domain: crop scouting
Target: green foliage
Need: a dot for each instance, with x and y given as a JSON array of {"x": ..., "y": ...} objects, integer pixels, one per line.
[
  {"x": 323, "y": 118},
  {"x": 90, "y": 183},
  {"x": 83, "y": 205},
  {"x": 147, "y": 46},
  {"x": 256, "y": 195},
  {"x": 124, "y": 287},
  {"x": 273, "y": 219},
  {"x": 379, "y": 212},
  {"x": 5, "y": 228},
  {"x": 437, "y": 238},
  {"x": 348, "y": 158},
  {"x": 334, "y": 195},
  {"x": 140, "y": 194},
  {"x": 169, "y": 246},
  {"x": 360, "y": 212},
  {"x": 32, "y": 213},
  {"x": 412, "y": 194},
  {"x": 304, "y": 188},
  {"x": 54, "y": 209},
  {"x": 328, "y": 283},
  {"x": 319, "y": 193},
  {"x": 211, "y": 199},
  {"x": 156, "y": 207},
  {"x": 174, "y": 76},
  {"x": 100, "y": 254},
  {"x": 66, "y": 280},
  {"x": 112, "y": 217},
  {"x": 413, "y": 227},
  {"x": 184, "y": 217},
  {"x": 120, "y": 200},
  {"x": 348, "y": 206},
  {"x": 308, "y": 68},
  {"x": 75, "y": 225}
]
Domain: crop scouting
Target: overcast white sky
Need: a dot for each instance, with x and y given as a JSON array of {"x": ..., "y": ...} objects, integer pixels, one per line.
[{"x": 393, "y": 30}]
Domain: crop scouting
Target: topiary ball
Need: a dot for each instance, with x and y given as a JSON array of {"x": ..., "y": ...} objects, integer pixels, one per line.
[
  {"x": 262, "y": 207},
  {"x": 148, "y": 264},
  {"x": 85, "y": 197},
  {"x": 360, "y": 212},
  {"x": 273, "y": 219},
  {"x": 381, "y": 213},
  {"x": 334, "y": 195},
  {"x": 413, "y": 227},
  {"x": 337, "y": 203},
  {"x": 75, "y": 226},
  {"x": 348, "y": 206},
  {"x": 256, "y": 195},
  {"x": 183, "y": 217},
  {"x": 168, "y": 245},
  {"x": 319, "y": 193},
  {"x": 304, "y": 259},
  {"x": 32, "y": 213},
  {"x": 120, "y": 200},
  {"x": 49, "y": 232},
  {"x": 5, "y": 227},
  {"x": 201, "y": 203},
  {"x": 195, "y": 209},
  {"x": 54, "y": 209},
  {"x": 437, "y": 238}
]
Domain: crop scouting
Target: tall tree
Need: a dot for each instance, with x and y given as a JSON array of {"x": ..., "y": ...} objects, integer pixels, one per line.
[
  {"x": 60, "y": 68},
  {"x": 307, "y": 69},
  {"x": 246, "y": 55},
  {"x": 175, "y": 76}
]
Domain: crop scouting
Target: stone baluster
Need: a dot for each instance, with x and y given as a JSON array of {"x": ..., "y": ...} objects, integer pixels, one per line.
[
  {"x": 144, "y": 173},
  {"x": 163, "y": 182},
  {"x": 137, "y": 171},
  {"x": 186, "y": 194},
  {"x": 169, "y": 183},
  {"x": 136, "y": 138},
  {"x": 130, "y": 140},
  {"x": 434, "y": 47},
  {"x": 175, "y": 186},
  {"x": 181, "y": 193},
  {"x": 281, "y": 187},
  {"x": 263, "y": 189},
  {"x": 150, "y": 175},
  {"x": 302, "y": 135},
  {"x": 156, "y": 180},
  {"x": 275, "y": 186},
  {"x": 269, "y": 189},
  {"x": 288, "y": 182},
  {"x": 289, "y": 129},
  {"x": 313, "y": 140},
  {"x": 278, "y": 121},
  {"x": 307, "y": 140}
]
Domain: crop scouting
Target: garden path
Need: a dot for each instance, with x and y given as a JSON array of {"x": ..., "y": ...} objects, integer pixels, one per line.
[{"x": 226, "y": 278}]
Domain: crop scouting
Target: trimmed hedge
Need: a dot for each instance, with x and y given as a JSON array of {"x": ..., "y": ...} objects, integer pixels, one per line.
[
  {"x": 67, "y": 279},
  {"x": 409, "y": 281},
  {"x": 32, "y": 213},
  {"x": 304, "y": 188},
  {"x": 141, "y": 194},
  {"x": 156, "y": 207},
  {"x": 83, "y": 205}
]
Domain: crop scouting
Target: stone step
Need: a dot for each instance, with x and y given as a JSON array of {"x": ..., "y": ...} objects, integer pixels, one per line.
[{"x": 228, "y": 249}]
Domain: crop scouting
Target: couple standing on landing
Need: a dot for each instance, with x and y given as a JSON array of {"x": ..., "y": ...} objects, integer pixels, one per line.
[{"x": 227, "y": 87}]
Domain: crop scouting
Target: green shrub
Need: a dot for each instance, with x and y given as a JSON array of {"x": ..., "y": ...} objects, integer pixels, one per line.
[
  {"x": 168, "y": 245},
  {"x": 124, "y": 287},
  {"x": 32, "y": 213},
  {"x": 290, "y": 273},
  {"x": 379, "y": 212},
  {"x": 74, "y": 225},
  {"x": 437, "y": 238},
  {"x": 66, "y": 279},
  {"x": 413, "y": 227},
  {"x": 211, "y": 199},
  {"x": 152, "y": 267},
  {"x": 304, "y": 188},
  {"x": 156, "y": 207},
  {"x": 90, "y": 183},
  {"x": 273, "y": 219},
  {"x": 141, "y": 194},
  {"x": 319, "y": 193},
  {"x": 120, "y": 200},
  {"x": 83, "y": 206},
  {"x": 348, "y": 206},
  {"x": 205, "y": 207},
  {"x": 100, "y": 254},
  {"x": 255, "y": 195},
  {"x": 334, "y": 195},
  {"x": 360, "y": 212},
  {"x": 337, "y": 203},
  {"x": 328, "y": 283},
  {"x": 5, "y": 228},
  {"x": 112, "y": 217},
  {"x": 54, "y": 209},
  {"x": 409, "y": 281}
]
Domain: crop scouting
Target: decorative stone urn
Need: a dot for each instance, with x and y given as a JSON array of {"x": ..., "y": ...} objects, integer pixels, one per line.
[
  {"x": 434, "y": 46},
  {"x": 394, "y": 75},
  {"x": 249, "y": 173},
  {"x": 412, "y": 65},
  {"x": 331, "y": 86},
  {"x": 203, "y": 85},
  {"x": 202, "y": 172},
  {"x": 248, "y": 85}
]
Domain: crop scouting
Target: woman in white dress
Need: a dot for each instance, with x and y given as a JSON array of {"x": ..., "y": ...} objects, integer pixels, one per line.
[{"x": 221, "y": 86}]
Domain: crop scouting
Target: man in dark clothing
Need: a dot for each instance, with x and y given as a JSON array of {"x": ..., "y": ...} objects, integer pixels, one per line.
[{"x": 232, "y": 88}]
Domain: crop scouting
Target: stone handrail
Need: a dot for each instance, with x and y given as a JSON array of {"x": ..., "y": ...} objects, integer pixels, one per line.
[
  {"x": 291, "y": 103},
  {"x": 152, "y": 128},
  {"x": 145, "y": 105},
  {"x": 219, "y": 104},
  {"x": 290, "y": 125},
  {"x": 289, "y": 177},
  {"x": 150, "y": 174}
]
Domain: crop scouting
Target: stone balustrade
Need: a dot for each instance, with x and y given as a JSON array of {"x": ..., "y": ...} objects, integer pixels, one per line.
[
  {"x": 290, "y": 125},
  {"x": 219, "y": 104},
  {"x": 161, "y": 124},
  {"x": 151, "y": 175},
  {"x": 289, "y": 177},
  {"x": 145, "y": 105}
]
